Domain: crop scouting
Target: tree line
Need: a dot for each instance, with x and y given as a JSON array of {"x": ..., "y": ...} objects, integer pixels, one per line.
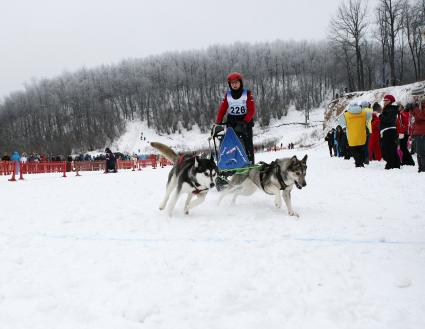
[{"x": 88, "y": 109}]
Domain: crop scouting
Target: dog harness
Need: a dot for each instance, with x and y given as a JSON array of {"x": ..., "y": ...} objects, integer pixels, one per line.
[
  {"x": 268, "y": 168},
  {"x": 194, "y": 183}
]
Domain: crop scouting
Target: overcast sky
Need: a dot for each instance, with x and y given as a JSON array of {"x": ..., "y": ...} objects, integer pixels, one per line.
[{"x": 43, "y": 38}]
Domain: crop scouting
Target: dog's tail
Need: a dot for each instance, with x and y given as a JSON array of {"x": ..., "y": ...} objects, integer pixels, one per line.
[{"x": 165, "y": 151}]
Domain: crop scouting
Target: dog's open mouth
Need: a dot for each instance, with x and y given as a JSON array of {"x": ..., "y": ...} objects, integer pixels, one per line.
[{"x": 298, "y": 185}]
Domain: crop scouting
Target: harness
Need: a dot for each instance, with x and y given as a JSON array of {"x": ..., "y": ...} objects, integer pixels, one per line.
[
  {"x": 193, "y": 182},
  {"x": 268, "y": 168}
]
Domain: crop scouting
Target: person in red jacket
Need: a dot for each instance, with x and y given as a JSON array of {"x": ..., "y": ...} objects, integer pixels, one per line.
[
  {"x": 375, "y": 139},
  {"x": 239, "y": 108},
  {"x": 418, "y": 131},
  {"x": 403, "y": 136}
]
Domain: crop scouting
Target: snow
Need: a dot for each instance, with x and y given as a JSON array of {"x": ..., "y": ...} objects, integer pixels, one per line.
[{"x": 94, "y": 251}]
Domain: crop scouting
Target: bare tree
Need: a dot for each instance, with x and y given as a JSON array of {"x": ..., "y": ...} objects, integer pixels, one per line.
[
  {"x": 413, "y": 26},
  {"x": 390, "y": 15},
  {"x": 348, "y": 28}
]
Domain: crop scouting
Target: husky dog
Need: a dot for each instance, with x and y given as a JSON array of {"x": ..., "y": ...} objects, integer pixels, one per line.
[
  {"x": 193, "y": 175},
  {"x": 279, "y": 175}
]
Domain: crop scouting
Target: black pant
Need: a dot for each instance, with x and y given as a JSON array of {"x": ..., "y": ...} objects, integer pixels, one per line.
[
  {"x": 420, "y": 149},
  {"x": 389, "y": 142},
  {"x": 407, "y": 157},
  {"x": 366, "y": 148},
  {"x": 331, "y": 147},
  {"x": 245, "y": 134},
  {"x": 358, "y": 155},
  {"x": 249, "y": 144}
]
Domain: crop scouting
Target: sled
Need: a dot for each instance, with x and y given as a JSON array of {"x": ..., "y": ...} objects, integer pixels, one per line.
[{"x": 229, "y": 154}]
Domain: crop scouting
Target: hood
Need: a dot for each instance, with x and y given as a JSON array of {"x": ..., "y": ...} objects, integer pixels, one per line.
[{"x": 354, "y": 108}]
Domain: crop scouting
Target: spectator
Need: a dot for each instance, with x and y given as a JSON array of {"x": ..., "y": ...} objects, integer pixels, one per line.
[
  {"x": 403, "y": 136},
  {"x": 344, "y": 144},
  {"x": 330, "y": 139},
  {"x": 16, "y": 157},
  {"x": 376, "y": 107},
  {"x": 338, "y": 141},
  {"x": 366, "y": 108},
  {"x": 418, "y": 131},
  {"x": 375, "y": 139},
  {"x": 5, "y": 157},
  {"x": 24, "y": 158},
  {"x": 388, "y": 131},
  {"x": 111, "y": 162},
  {"x": 355, "y": 121}
]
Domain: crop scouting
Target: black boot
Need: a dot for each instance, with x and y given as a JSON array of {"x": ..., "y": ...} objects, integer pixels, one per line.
[{"x": 421, "y": 163}]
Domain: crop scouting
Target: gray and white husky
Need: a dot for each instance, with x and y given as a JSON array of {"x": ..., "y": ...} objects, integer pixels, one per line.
[
  {"x": 279, "y": 175},
  {"x": 190, "y": 174}
]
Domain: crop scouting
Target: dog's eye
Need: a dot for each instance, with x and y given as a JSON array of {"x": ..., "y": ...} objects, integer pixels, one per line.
[
  {"x": 298, "y": 173},
  {"x": 206, "y": 174}
]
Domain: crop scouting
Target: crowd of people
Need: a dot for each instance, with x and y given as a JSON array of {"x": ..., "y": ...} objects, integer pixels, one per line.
[
  {"x": 35, "y": 157},
  {"x": 392, "y": 132}
]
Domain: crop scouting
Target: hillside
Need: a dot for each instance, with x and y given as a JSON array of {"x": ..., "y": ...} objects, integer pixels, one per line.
[
  {"x": 337, "y": 106},
  {"x": 290, "y": 128}
]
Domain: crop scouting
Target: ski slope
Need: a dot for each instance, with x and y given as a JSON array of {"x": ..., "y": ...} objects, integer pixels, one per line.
[{"x": 94, "y": 252}]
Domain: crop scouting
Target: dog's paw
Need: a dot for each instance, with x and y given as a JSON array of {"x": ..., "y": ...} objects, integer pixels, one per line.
[
  {"x": 278, "y": 204},
  {"x": 162, "y": 205},
  {"x": 186, "y": 211},
  {"x": 293, "y": 213}
]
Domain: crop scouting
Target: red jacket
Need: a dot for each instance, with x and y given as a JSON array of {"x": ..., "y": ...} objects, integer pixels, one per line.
[
  {"x": 402, "y": 122},
  {"x": 418, "y": 127},
  {"x": 375, "y": 126},
  {"x": 249, "y": 104}
]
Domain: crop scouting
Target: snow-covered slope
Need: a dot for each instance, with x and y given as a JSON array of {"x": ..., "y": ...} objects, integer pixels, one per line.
[{"x": 283, "y": 131}]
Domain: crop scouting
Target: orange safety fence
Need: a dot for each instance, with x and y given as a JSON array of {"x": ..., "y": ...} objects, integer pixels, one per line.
[
  {"x": 165, "y": 162},
  {"x": 126, "y": 164},
  {"x": 9, "y": 168},
  {"x": 13, "y": 167},
  {"x": 89, "y": 165},
  {"x": 43, "y": 167}
]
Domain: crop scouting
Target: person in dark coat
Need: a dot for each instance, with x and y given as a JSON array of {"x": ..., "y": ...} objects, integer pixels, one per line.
[
  {"x": 338, "y": 140},
  {"x": 330, "y": 139},
  {"x": 5, "y": 157},
  {"x": 344, "y": 145},
  {"x": 388, "y": 132},
  {"x": 111, "y": 161}
]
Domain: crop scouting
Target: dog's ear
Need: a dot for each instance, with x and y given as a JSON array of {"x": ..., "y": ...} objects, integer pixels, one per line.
[
  {"x": 196, "y": 161},
  {"x": 294, "y": 159},
  {"x": 304, "y": 159}
]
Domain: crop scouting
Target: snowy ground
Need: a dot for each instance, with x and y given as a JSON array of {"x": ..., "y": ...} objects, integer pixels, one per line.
[{"x": 94, "y": 252}]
